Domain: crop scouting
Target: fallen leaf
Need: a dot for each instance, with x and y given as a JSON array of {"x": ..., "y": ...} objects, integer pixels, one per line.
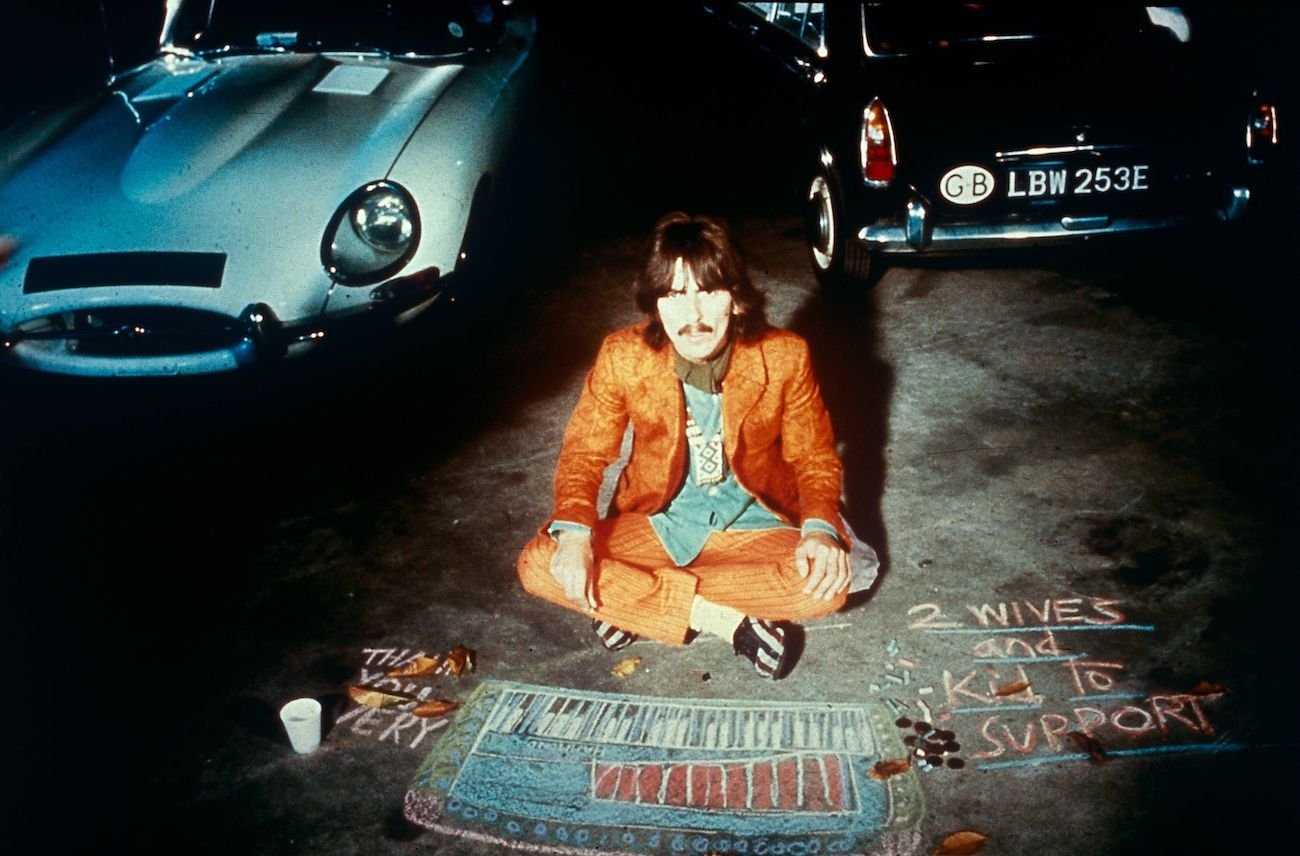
[
  {"x": 435, "y": 707},
  {"x": 1089, "y": 744},
  {"x": 460, "y": 660},
  {"x": 1208, "y": 688},
  {"x": 1012, "y": 688},
  {"x": 882, "y": 770},
  {"x": 625, "y": 667},
  {"x": 378, "y": 698},
  {"x": 415, "y": 668},
  {"x": 962, "y": 843}
]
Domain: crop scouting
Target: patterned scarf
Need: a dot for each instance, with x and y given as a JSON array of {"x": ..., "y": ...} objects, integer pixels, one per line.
[{"x": 704, "y": 376}]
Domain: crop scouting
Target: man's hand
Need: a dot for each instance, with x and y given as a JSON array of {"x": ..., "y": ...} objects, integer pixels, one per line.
[
  {"x": 574, "y": 568},
  {"x": 823, "y": 563}
]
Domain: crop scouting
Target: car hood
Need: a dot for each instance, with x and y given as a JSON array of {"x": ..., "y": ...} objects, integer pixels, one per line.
[{"x": 246, "y": 156}]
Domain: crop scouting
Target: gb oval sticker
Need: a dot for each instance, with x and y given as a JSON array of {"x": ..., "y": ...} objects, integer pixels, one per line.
[{"x": 966, "y": 184}]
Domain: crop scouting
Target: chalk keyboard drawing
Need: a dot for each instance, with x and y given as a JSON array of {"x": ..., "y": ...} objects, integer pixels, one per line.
[{"x": 564, "y": 771}]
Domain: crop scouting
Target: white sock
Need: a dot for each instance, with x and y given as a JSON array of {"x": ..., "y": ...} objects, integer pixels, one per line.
[{"x": 715, "y": 619}]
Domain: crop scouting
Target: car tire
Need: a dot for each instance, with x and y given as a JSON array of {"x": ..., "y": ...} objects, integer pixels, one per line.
[{"x": 837, "y": 261}]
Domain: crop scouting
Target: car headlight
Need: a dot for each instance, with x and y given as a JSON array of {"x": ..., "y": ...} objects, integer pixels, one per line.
[{"x": 371, "y": 235}]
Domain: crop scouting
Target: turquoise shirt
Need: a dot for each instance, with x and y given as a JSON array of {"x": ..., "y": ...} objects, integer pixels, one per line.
[{"x": 698, "y": 510}]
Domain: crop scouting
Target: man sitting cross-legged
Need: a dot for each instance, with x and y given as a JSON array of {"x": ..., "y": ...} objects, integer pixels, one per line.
[{"x": 725, "y": 519}]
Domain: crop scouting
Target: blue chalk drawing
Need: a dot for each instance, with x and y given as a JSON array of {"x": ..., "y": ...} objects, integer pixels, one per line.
[{"x": 560, "y": 770}]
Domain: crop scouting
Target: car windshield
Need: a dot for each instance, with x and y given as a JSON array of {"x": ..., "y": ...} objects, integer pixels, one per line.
[
  {"x": 396, "y": 27},
  {"x": 907, "y": 28}
]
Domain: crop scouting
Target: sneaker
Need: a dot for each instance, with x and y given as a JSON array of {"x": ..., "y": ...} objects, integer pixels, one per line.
[
  {"x": 763, "y": 643},
  {"x": 613, "y": 638}
]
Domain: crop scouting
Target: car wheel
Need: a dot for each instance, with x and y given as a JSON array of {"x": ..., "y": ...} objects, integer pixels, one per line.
[{"x": 836, "y": 260}]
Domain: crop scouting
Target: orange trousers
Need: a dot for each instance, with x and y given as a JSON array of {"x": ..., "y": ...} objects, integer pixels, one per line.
[{"x": 640, "y": 589}]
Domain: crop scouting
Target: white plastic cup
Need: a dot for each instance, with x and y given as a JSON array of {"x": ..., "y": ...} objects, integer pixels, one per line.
[{"x": 301, "y": 718}]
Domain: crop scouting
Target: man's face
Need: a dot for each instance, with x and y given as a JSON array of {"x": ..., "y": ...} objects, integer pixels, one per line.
[{"x": 695, "y": 320}]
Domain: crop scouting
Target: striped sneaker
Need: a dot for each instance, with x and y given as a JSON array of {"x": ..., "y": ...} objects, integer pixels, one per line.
[
  {"x": 763, "y": 643},
  {"x": 613, "y": 638}
]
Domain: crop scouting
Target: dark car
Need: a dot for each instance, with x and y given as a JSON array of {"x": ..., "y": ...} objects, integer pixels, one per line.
[{"x": 952, "y": 127}]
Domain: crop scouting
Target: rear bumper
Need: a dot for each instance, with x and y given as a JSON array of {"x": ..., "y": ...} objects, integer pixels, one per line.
[
  {"x": 918, "y": 232},
  {"x": 256, "y": 338}
]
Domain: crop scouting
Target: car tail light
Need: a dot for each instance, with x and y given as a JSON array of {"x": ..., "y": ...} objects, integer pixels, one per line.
[
  {"x": 1261, "y": 130},
  {"x": 876, "y": 150}
]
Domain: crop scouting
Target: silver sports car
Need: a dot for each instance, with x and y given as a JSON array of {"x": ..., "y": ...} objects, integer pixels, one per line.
[{"x": 277, "y": 174}]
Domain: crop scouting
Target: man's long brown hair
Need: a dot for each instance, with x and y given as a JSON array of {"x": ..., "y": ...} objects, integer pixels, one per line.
[{"x": 706, "y": 247}]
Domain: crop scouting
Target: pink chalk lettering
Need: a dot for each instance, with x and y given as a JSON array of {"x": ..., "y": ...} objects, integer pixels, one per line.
[
  {"x": 1014, "y": 644},
  {"x": 993, "y": 731},
  {"x": 1054, "y": 728},
  {"x": 1041, "y": 616},
  {"x": 1030, "y": 741},
  {"x": 1048, "y": 647},
  {"x": 1122, "y": 719},
  {"x": 1103, "y": 607},
  {"x": 997, "y": 682},
  {"x": 932, "y": 620},
  {"x": 960, "y": 688},
  {"x": 1089, "y": 719},
  {"x": 1070, "y": 610},
  {"x": 1004, "y": 648},
  {"x": 1091, "y": 676},
  {"x": 1174, "y": 711},
  {"x": 987, "y": 615},
  {"x": 1067, "y": 611},
  {"x": 986, "y": 729}
]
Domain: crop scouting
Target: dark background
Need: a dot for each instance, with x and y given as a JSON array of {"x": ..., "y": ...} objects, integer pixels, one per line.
[
  {"x": 52, "y": 48},
  {"x": 649, "y": 70},
  {"x": 660, "y": 84}
]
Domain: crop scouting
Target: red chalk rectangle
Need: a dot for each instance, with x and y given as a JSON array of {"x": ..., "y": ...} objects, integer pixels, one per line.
[
  {"x": 787, "y": 784},
  {"x": 835, "y": 783},
  {"x": 648, "y": 783},
  {"x": 762, "y": 796},
  {"x": 716, "y": 795},
  {"x": 606, "y": 780},
  {"x": 814, "y": 786},
  {"x": 737, "y": 791},
  {"x": 676, "y": 793}
]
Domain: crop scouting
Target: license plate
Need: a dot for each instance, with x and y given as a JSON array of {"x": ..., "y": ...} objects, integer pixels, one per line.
[{"x": 1078, "y": 181}]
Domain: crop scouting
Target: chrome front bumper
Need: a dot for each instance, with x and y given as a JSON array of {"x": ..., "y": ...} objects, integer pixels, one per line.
[
  {"x": 919, "y": 233},
  {"x": 256, "y": 337}
]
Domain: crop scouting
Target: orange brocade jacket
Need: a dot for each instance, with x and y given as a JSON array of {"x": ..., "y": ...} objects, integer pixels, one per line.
[{"x": 776, "y": 431}]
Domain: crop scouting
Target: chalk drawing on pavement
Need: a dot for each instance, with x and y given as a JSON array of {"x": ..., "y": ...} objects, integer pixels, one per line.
[
  {"x": 1040, "y": 687},
  {"x": 575, "y": 771}
]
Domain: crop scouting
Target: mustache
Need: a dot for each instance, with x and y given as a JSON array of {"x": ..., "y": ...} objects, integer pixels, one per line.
[{"x": 692, "y": 329}]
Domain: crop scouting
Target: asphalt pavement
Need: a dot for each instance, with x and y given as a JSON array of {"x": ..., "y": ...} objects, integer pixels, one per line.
[{"x": 1078, "y": 468}]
